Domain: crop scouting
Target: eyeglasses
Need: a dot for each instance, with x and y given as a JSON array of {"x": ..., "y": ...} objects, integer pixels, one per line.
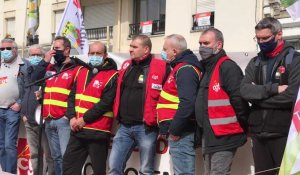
[
  {"x": 6, "y": 48},
  {"x": 263, "y": 39}
]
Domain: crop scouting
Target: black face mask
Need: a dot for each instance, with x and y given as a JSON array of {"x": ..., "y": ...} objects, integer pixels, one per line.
[
  {"x": 59, "y": 57},
  {"x": 269, "y": 46}
]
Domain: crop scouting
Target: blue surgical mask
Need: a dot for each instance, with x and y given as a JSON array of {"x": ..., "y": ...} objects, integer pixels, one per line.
[
  {"x": 95, "y": 60},
  {"x": 269, "y": 46},
  {"x": 6, "y": 55},
  {"x": 164, "y": 55},
  {"x": 34, "y": 60}
]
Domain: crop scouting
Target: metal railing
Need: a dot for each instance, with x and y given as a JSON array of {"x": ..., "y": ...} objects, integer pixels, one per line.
[
  {"x": 97, "y": 33},
  {"x": 158, "y": 27}
]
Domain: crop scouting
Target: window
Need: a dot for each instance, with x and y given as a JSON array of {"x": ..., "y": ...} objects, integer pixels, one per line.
[
  {"x": 153, "y": 12},
  {"x": 10, "y": 27},
  {"x": 145, "y": 10},
  {"x": 58, "y": 16},
  {"x": 205, "y": 15}
]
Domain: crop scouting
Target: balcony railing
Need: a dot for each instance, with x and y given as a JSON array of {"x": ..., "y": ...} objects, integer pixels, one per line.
[
  {"x": 158, "y": 27},
  {"x": 99, "y": 33},
  {"x": 96, "y": 33},
  {"x": 32, "y": 40}
]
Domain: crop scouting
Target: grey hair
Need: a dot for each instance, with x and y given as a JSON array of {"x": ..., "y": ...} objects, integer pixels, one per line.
[
  {"x": 178, "y": 41},
  {"x": 7, "y": 40},
  {"x": 269, "y": 23},
  {"x": 218, "y": 34},
  {"x": 36, "y": 46}
]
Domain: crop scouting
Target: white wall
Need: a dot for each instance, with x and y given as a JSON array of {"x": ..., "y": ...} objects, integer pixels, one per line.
[{"x": 236, "y": 19}]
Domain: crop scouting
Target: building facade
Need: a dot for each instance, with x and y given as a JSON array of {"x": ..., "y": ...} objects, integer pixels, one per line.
[{"x": 116, "y": 21}]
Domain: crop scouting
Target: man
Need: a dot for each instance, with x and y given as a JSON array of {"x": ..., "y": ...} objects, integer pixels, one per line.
[
  {"x": 176, "y": 104},
  {"x": 139, "y": 84},
  {"x": 29, "y": 106},
  {"x": 270, "y": 84},
  {"x": 12, "y": 72},
  {"x": 221, "y": 113},
  {"x": 90, "y": 112},
  {"x": 56, "y": 94}
]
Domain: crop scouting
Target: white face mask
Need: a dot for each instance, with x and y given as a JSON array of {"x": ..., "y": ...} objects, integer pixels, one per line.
[{"x": 95, "y": 60}]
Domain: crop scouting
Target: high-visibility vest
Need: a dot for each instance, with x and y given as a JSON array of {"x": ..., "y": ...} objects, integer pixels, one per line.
[
  {"x": 56, "y": 92},
  {"x": 87, "y": 96},
  {"x": 222, "y": 116},
  {"x": 154, "y": 83},
  {"x": 169, "y": 100}
]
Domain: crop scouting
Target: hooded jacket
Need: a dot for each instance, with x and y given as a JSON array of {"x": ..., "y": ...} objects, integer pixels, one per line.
[
  {"x": 187, "y": 81},
  {"x": 230, "y": 78},
  {"x": 271, "y": 112},
  {"x": 99, "y": 108}
]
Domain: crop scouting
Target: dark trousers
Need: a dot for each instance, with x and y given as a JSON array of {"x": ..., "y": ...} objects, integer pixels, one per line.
[
  {"x": 77, "y": 151},
  {"x": 268, "y": 153}
]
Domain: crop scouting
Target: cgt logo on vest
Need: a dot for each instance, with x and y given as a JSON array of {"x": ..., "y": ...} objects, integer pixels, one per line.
[
  {"x": 23, "y": 157},
  {"x": 216, "y": 86},
  {"x": 97, "y": 84}
]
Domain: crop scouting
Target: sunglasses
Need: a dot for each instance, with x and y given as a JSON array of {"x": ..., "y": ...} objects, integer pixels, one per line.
[{"x": 6, "y": 48}]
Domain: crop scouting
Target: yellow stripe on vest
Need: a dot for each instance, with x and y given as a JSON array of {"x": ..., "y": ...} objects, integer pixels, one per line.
[
  {"x": 169, "y": 97},
  {"x": 168, "y": 106},
  {"x": 83, "y": 110},
  {"x": 57, "y": 90},
  {"x": 87, "y": 98},
  {"x": 55, "y": 103}
]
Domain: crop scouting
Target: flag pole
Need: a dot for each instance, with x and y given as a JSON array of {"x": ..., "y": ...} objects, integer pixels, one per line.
[{"x": 24, "y": 35}]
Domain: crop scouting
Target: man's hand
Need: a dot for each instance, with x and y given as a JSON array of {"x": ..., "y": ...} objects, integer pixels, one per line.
[
  {"x": 24, "y": 118},
  {"x": 38, "y": 95},
  {"x": 49, "y": 55},
  {"x": 80, "y": 123},
  {"x": 174, "y": 138},
  {"x": 282, "y": 88},
  {"x": 15, "y": 107},
  {"x": 73, "y": 124}
]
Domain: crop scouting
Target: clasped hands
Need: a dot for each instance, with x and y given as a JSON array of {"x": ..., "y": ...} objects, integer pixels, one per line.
[{"x": 77, "y": 124}]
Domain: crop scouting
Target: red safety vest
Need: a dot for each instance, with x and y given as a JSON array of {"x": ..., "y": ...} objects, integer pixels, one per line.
[
  {"x": 87, "y": 97},
  {"x": 221, "y": 114},
  {"x": 56, "y": 92},
  {"x": 169, "y": 100},
  {"x": 154, "y": 83}
]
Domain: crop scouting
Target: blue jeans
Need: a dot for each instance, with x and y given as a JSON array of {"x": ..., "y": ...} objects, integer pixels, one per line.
[
  {"x": 9, "y": 129},
  {"x": 183, "y": 154},
  {"x": 125, "y": 140},
  {"x": 58, "y": 134}
]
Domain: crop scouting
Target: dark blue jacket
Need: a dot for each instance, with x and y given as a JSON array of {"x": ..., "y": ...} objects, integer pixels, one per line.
[{"x": 187, "y": 81}]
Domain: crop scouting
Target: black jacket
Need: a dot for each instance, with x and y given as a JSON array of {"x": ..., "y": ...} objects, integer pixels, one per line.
[
  {"x": 133, "y": 89},
  {"x": 187, "y": 82},
  {"x": 230, "y": 78},
  {"x": 29, "y": 102},
  {"x": 99, "y": 108},
  {"x": 271, "y": 112}
]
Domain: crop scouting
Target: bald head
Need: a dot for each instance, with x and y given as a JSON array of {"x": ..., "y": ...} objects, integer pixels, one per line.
[{"x": 98, "y": 48}]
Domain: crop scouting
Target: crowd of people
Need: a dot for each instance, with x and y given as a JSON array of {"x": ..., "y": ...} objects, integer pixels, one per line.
[{"x": 190, "y": 103}]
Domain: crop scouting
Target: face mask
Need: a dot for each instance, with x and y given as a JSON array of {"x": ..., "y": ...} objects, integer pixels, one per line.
[
  {"x": 95, "y": 60},
  {"x": 206, "y": 52},
  {"x": 164, "y": 55},
  {"x": 269, "y": 46},
  {"x": 34, "y": 60},
  {"x": 6, "y": 55},
  {"x": 59, "y": 56}
]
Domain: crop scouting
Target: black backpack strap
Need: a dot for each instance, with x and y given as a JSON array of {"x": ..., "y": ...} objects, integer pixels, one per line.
[{"x": 289, "y": 57}]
